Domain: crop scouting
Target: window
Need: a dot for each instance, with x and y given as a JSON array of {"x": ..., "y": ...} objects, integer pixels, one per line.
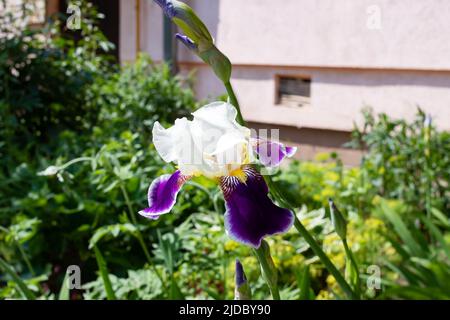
[{"x": 293, "y": 91}]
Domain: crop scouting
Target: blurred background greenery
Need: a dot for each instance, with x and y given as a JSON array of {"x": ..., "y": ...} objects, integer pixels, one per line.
[{"x": 66, "y": 103}]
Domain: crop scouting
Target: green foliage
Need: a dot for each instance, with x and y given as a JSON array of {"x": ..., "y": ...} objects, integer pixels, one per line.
[
  {"x": 23, "y": 230},
  {"x": 45, "y": 78},
  {"x": 420, "y": 188},
  {"x": 75, "y": 140},
  {"x": 103, "y": 269},
  {"x": 101, "y": 165},
  {"x": 24, "y": 290},
  {"x": 406, "y": 161},
  {"x": 424, "y": 262},
  {"x": 139, "y": 95},
  {"x": 139, "y": 284}
]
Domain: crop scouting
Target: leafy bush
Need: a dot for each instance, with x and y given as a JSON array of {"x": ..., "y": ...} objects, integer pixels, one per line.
[
  {"x": 139, "y": 95},
  {"x": 407, "y": 161},
  {"x": 424, "y": 250},
  {"x": 45, "y": 79},
  {"x": 77, "y": 159},
  {"x": 76, "y": 105}
]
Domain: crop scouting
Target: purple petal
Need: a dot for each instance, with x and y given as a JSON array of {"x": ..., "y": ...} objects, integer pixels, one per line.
[
  {"x": 250, "y": 214},
  {"x": 240, "y": 275},
  {"x": 162, "y": 194},
  {"x": 186, "y": 41},
  {"x": 290, "y": 151},
  {"x": 168, "y": 7},
  {"x": 271, "y": 153}
]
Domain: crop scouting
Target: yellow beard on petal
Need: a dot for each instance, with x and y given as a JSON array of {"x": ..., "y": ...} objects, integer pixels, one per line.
[{"x": 240, "y": 174}]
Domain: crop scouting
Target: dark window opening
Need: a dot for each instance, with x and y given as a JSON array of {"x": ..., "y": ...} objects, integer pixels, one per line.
[{"x": 293, "y": 91}]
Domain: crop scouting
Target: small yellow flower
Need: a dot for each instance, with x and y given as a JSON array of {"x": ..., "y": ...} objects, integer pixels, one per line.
[
  {"x": 331, "y": 176},
  {"x": 322, "y": 156},
  {"x": 331, "y": 281},
  {"x": 230, "y": 245},
  {"x": 324, "y": 295}
]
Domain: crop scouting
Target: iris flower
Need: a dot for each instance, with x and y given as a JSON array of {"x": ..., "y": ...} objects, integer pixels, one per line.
[{"x": 214, "y": 145}]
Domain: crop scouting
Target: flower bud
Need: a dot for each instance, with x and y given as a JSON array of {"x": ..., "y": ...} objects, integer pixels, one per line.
[
  {"x": 196, "y": 37},
  {"x": 218, "y": 62},
  {"x": 242, "y": 290},
  {"x": 50, "y": 171},
  {"x": 188, "y": 42},
  {"x": 338, "y": 220},
  {"x": 186, "y": 19}
]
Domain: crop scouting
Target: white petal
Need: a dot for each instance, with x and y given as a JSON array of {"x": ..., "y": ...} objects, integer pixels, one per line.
[
  {"x": 218, "y": 114},
  {"x": 167, "y": 141},
  {"x": 212, "y": 144},
  {"x": 231, "y": 149}
]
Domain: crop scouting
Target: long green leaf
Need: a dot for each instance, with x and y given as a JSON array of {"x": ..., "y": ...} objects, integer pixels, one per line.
[
  {"x": 303, "y": 282},
  {"x": 405, "y": 273},
  {"x": 397, "y": 246},
  {"x": 437, "y": 234},
  {"x": 441, "y": 217},
  {"x": 351, "y": 269},
  {"x": 104, "y": 274},
  {"x": 28, "y": 294},
  {"x": 418, "y": 293},
  {"x": 64, "y": 292},
  {"x": 175, "y": 292},
  {"x": 212, "y": 294},
  {"x": 401, "y": 229}
]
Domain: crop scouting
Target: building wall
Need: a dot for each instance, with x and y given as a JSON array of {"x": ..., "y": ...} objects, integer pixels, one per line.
[
  {"x": 413, "y": 34},
  {"x": 391, "y": 55},
  {"x": 337, "y": 95}
]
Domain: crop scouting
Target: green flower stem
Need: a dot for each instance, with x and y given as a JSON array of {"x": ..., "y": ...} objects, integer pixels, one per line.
[
  {"x": 268, "y": 269},
  {"x": 22, "y": 252},
  {"x": 325, "y": 260},
  {"x": 269, "y": 273},
  {"x": 73, "y": 161},
  {"x": 312, "y": 242},
  {"x": 298, "y": 225},
  {"x": 352, "y": 259},
  {"x": 234, "y": 102},
  {"x": 207, "y": 192},
  {"x": 133, "y": 219},
  {"x": 25, "y": 258},
  {"x": 138, "y": 232}
]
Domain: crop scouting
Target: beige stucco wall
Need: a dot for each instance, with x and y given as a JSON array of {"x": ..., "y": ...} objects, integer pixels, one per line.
[
  {"x": 413, "y": 34},
  {"x": 337, "y": 95},
  {"x": 127, "y": 30},
  {"x": 403, "y": 64}
]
